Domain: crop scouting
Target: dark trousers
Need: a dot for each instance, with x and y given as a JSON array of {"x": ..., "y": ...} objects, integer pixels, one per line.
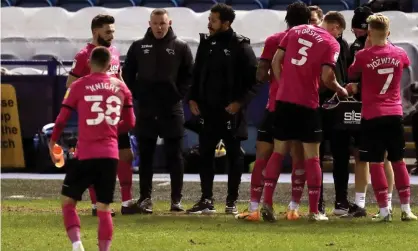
[
  {"x": 207, "y": 146},
  {"x": 415, "y": 132},
  {"x": 340, "y": 141},
  {"x": 174, "y": 160}
]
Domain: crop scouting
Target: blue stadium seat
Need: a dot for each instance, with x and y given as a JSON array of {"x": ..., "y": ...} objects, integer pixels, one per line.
[
  {"x": 162, "y": 3},
  {"x": 248, "y": 4},
  {"x": 328, "y": 5},
  {"x": 117, "y": 3},
  {"x": 200, "y": 5},
  {"x": 75, "y": 5},
  {"x": 36, "y": 3},
  {"x": 282, "y": 4},
  {"x": 7, "y": 3}
]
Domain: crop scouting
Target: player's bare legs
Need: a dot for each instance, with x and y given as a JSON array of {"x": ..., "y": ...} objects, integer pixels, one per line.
[
  {"x": 314, "y": 179},
  {"x": 271, "y": 176},
  {"x": 71, "y": 222},
  {"x": 298, "y": 179},
  {"x": 263, "y": 153}
]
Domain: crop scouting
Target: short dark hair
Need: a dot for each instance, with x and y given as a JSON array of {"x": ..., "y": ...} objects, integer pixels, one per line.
[
  {"x": 100, "y": 20},
  {"x": 297, "y": 13},
  {"x": 335, "y": 17},
  {"x": 159, "y": 12},
  {"x": 100, "y": 56},
  {"x": 317, "y": 10},
  {"x": 226, "y": 13}
]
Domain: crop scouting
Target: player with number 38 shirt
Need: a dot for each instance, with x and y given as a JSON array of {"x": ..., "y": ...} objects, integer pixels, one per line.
[
  {"x": 380, "y": 67},
  {"x": 104, "y": 107}
]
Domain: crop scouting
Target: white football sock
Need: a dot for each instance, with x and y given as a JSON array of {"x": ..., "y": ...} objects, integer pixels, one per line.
[
  {"x": 361, "y": 199},
  {"x": 93, "y": 206},
  {"x": 253, "y": 206},
  {"x": 390, "y": 201},
  {"x": 384, "y": 211},
  {"x": 406, "y": 208},
  {"x": 125, "y": 203},
  {"x": 293, "y": 205}
]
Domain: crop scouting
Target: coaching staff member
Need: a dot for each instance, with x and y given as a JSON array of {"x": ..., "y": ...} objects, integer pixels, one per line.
[
  {"x": 224, "y": 78},
  {"x": 158, "y": 70}
]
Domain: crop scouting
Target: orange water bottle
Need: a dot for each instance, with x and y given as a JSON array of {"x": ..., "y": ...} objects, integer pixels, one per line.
[{"x": 59, "y": 156}]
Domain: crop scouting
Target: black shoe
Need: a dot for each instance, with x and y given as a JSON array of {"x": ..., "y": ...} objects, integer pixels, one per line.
[
  {"x": 231, "y": 208},
  {"x": 204, "y": 206},
  {"x": 176, "y": 207},
  {"x": 145, "y": 206},
  {"x": 355, "y": 212},
  {"x": 132, "y": 208},
  {"x": 94, "y": 212},
  {"x": 341, "y": 208}
]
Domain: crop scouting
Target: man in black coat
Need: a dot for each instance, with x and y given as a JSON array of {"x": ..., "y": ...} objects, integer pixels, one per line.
[
  {"x": 158, "y": 70},
  {"x": 224, "y": 81}
]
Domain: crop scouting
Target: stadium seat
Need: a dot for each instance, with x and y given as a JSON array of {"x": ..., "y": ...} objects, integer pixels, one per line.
[
  {"x": 36, "y": 3},
  {"x": 412, "y": 51},
  {"x": 328, "y": 5},
  {"x": 17, "y": 46},
  {"x": 58, "y": 47},
  {"x": 17, "y": 26},
  {"x": 348, "y": 35},
  {"x": 75, "y": 5},
  {"x": 117, "y": 3},
  {"x": 200, "y": 5},
  {"x": 8, "y": 3},
  {"x": 42, "y": 18},
  {"x": 9, "y": 57},
  {"x": 79, "y": 22},
  {"x": 27, "y": 71},
  {"x": 161, "y": 3},
  {"x": 128, "y": 28},
  {"x": 259, "y": 24},
  {"x": 282, "y": 4},
  {"x": 248, "y": 4},
  {"x": 184, "y": 22}
]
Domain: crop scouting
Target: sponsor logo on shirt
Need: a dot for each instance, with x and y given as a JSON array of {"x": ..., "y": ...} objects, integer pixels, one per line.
[{"x": 146, "y": 46}]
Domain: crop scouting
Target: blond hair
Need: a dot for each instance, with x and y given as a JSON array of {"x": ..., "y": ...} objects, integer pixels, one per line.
[{"x": 378, "y": 22}]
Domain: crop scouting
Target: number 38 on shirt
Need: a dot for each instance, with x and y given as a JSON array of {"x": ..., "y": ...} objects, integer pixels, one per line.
[{"x": 110, "y": 114}]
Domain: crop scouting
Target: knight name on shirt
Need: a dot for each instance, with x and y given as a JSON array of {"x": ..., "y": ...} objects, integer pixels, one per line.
[
  {"x": 103, "y": 86},
  {"x": 312, "y": 33},
  {"x": 379, "y": 61}
]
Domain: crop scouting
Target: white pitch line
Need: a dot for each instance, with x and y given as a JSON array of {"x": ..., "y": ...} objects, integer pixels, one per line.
[{"x": 284, "y": 178}]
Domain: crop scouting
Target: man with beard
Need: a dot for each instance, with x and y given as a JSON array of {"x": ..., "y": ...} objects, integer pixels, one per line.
[
  {"x": 158, "y": 70},
  {"x": 103, "y": 27},
  {"x": 224, "y": 78}
]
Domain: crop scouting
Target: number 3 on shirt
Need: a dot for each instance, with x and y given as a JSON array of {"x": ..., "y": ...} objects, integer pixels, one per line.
[
  {"x": 302, "y": 51},
  {"x": 101, "y": 114},
  {"x": 388, "y": 71}
]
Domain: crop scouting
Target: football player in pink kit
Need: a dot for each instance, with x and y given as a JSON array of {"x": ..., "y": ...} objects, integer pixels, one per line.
[
  {"x": 380, "y": 67},
  {"x": 297, "y": 14},
  {"x": 104, "y": 107},
  {"x": 308, "y": 54},
  {"x": 103, "y": 28}
]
